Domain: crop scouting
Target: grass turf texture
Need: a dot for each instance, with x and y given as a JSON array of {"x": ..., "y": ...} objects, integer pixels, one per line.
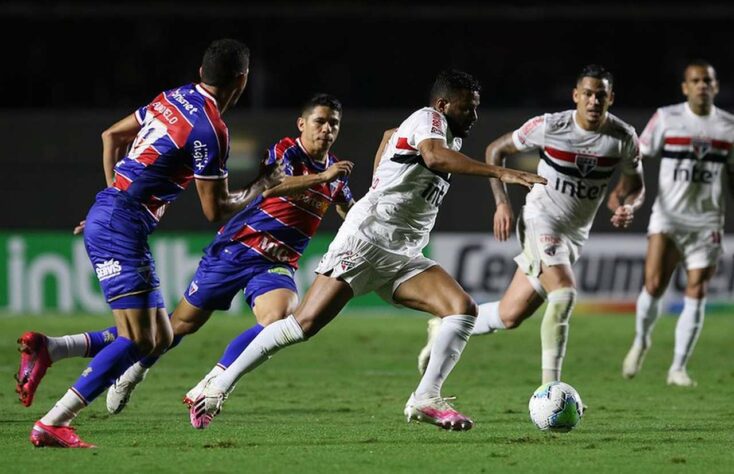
[{"x": 335, "y": 404}]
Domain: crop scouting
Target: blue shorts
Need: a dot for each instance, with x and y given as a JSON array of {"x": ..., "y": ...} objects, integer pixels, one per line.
[
  {"x": 116, "y": 238},
  {"x": 217, "y": 281}
]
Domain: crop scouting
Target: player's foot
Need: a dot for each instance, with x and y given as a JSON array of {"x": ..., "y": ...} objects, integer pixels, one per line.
[
  {"x": 206, "y": 406},
  {"x": 56, "y": 437},
  {"x": 425, "y": 354},
  {"x": 34, "y": 361},
  {"x": 633, "y": 361},
  {"x": 680, "y": 378},
  {"x": 120, "y": 391},
  {"x": 437, "y": 411}
]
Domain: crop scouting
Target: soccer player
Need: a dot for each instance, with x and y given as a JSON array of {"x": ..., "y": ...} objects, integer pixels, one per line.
[
  {"x": 258, "y": 249},
  {"x": 178, "y": 137},
  {"x": 579, "y": 151},
  {"x": 379, "y": 248},
  {"x": 694, "y": 141}
]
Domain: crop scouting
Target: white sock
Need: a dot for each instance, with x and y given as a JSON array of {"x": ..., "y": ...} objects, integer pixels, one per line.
[
  {"x": 450, "y": 342},
  {"x": 488, "y": 319},
  {"x": 218, "y": 369},
  {"x": 135, "y": 373},
  {"x": 63, "y": 347},
  {"x": 274, "y": 337},
  {"x": 687, "y": 330},
  {"x": 554, "y": 331},
  {"x": 648, "y": 312},
  {"x": 65, "y": 410}
]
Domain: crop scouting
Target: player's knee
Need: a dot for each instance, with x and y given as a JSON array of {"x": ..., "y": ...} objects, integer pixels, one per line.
[
  {"x": 270, "y": 317},
  {"x": 654, "y": 286},
  {"x": 460, "y": 305}
]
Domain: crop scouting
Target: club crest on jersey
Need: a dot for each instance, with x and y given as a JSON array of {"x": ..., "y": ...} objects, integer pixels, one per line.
[
  {"x": 586, "y": 163},
  {"x": 700, "y": 146},
  {"x": 193, "y": 288}
]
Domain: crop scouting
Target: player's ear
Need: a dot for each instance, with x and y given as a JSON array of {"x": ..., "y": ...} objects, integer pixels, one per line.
[
  {"x": 575, "y": 95},
  {"x": 441, "y": 104},
  {"x": 301, "y": 123},
  {"x": 201, "y": 71},
  {"x": 611, "y": 97}
]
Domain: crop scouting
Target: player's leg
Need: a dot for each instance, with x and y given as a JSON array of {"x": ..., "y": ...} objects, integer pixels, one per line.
[
  {"x": 434, "y": 291},
  {"x": 559, "y": 282},
  {"x": 702, "y": 251},
  {"x": 141, "y": 331},
  {"x": 268, "y": 307},
  {"x": 660, "y": 262},
  {"x": 522, "y": 298},
  {"x": 39, "y": 351},
  {"x": 324, "y": 300}
]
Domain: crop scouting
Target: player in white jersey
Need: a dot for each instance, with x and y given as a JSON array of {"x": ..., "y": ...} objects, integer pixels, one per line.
[
  {"x": 379, "y": 248},
  {"x": 694, "y": 142},
  {"x": 579, "y": 151}
]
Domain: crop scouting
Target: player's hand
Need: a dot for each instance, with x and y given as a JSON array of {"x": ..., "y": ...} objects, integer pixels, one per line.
[
  {"x": 623, "y": 216},
  {"x": 503, "y": 220},
  {"x": 521, "y": 177},
  {"x": 79, "y": 228},
  {"x": 272, "y": 175},
  {"x": 338, "y": 170}
]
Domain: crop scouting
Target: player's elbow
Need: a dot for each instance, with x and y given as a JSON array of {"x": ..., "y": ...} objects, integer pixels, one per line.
[{"x": 432, "y": 160}]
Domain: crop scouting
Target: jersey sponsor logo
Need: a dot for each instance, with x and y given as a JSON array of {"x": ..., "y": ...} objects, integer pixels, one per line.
[
  {"x": 87, "y": 371},
  {"x": 694, "y": 175},
  {"x": 108, "y": 336},
  {"x": 579, "y": 189},
  {"x": 586, "y": 163},
  {"x": 701, "y": 146},
  {"x": 108, "y": 269},
  {"x": 433, "y": 194},
  {"x": 436, "y": 125},
  {"x": 200, "y": 154},
  {"x": 280, "y": 271},
  {"x": 188, "y": 106}
]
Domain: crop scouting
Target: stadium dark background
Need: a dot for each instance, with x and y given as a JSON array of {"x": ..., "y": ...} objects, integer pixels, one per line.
[{"x": 73, "y": 68}]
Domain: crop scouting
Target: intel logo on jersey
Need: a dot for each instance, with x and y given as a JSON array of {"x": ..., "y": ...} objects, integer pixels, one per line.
[
  {"x": 586, "y": 163},
  {"x": 108, "y": 269}
]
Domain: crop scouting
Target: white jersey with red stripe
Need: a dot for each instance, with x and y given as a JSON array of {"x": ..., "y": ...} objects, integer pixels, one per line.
[
  {"x": 695, "y": 154},
  {"x": 577, "y": 164},
  {"x": 399, "y": 210}
]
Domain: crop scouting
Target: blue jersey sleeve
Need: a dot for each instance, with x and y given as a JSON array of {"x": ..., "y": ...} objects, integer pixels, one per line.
[
  {"x": 208, "y": 153},
  {"x": 345, "y": 194},
  {"x": 140, "y": 114}
]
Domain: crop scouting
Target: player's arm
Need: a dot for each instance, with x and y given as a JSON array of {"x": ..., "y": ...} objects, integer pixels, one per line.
[
  {"x": 219, "y": 203},
  {"x": 438, "y": 157},
  {"x": 115, "y": 141},
  {"x": 495, "y": 155},
  {"x": 626, "y": 198},
  {"x": 381, "y": 149},
  {"x": 343, "y": 207},
  {"x": 296, "y": 184}
]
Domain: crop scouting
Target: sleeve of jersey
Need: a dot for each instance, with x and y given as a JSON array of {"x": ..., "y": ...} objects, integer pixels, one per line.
[
  {"x": 631, "y": 161},
  {"x": 345, "y": 194},
  {"x": 429, "y": 125},
  {"x": 652, "y": 137},
  {"x": 530, "y": 135},
  {"x": 140, "y": 114},
  {"x": 209, "y": 161},
  {"x": 277, "y": 154}
]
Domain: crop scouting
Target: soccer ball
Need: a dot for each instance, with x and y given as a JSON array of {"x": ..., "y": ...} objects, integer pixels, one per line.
[{"x": 555, "y": 406}]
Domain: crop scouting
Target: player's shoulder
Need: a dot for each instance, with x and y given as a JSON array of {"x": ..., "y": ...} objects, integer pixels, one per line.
[
  {"x": 285, "y": 145},
  {"x": 618, "y": 128},
  {"x": 725, "y": 116},
  {"x": 672, "y": 110},
  {"x": 556, "y": 121},
  {"x": 424, "y": 113}
]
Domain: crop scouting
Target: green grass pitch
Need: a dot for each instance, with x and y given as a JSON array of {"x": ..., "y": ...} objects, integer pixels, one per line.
[{"x": 335, "y": 404}]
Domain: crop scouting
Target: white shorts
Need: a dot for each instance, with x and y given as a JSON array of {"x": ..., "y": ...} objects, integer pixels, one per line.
[
  {"x": 544, "y": 242},
  {"x": 699, "y": 249},
  {"x": 367, "y": 268}
]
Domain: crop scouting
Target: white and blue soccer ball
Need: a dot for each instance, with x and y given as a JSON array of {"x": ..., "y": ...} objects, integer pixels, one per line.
[{"x": 556, "y": 406}]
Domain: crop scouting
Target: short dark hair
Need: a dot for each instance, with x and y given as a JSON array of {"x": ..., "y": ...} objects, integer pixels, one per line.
[
  {"x": 224, "y": 60},
  {"x": 450, "y": 81},
  {"x": 327, "y": 100},
  {"x": 597, "y": 72},
  {"x": 698, "y": 62}
]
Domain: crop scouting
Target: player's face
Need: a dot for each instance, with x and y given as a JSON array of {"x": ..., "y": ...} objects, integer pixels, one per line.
[
  {"x": 700, "y": 86},
  {"x": 319, "y": 128},
  {"x": 461, "y": 112},
  {"x": 592, "y": 97}
]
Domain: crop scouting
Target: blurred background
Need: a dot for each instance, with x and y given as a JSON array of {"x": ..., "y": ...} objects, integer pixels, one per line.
[{"x": 74, "y": 68}]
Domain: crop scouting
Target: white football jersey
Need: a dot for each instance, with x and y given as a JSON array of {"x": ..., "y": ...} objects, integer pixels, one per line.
[
  {"x": 577, "y": 164},
  {"x": 399, "y": 210},
  {"x": 695, "y": 154}
]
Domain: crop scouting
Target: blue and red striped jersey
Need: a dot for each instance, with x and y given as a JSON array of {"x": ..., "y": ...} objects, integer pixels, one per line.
[
  {"x": 182, "y": 137},
  {"x": 279, "y": 228}
]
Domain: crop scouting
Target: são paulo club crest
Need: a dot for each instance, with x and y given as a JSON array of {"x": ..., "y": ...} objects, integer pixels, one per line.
[
  {"x": 586, "y": 163},
  {"x": 700, "y": 146}
]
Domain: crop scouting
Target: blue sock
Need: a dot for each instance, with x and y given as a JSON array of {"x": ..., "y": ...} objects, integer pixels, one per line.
[
  {"x": 238, "y": 345},
  {"x": 105, "y": 367},
  {"x": 148, "y": 361},
  {"x": 99, "y": 340}
]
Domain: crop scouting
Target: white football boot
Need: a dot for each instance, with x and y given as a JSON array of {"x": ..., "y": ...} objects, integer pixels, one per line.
[
  {"x": 633, "y": 361},
  {"x": 680, "y": 378},
  {"x": 120, "y": 391}
]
